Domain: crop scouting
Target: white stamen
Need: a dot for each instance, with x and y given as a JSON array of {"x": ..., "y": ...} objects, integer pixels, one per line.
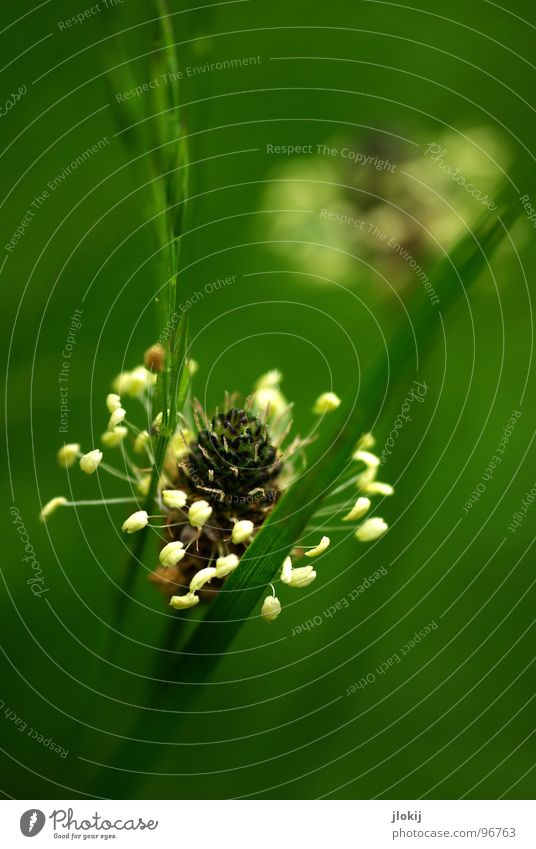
[
  {"x": 319, "y": 549},
  {"x": 90, "y": 461}
]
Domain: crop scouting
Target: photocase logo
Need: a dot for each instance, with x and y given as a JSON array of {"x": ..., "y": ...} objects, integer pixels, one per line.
[{"x": 31, "y": 822}]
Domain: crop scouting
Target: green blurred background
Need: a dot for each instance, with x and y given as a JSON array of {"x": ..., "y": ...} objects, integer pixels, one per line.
[{"x": 456, "y": 716}]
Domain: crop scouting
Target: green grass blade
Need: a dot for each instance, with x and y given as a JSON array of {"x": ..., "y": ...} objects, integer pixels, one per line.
[{"x": 329, "y": 456}]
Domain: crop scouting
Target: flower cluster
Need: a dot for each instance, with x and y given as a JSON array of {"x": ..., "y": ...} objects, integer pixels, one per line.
[{"x": 219, "y": 480}]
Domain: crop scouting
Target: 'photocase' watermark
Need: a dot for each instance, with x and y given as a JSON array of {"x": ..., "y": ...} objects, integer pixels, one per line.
[
  {"x": 437, "y": 155},
  {"x": 36, "y": 582},
  {"x": 416, "y": 394}
]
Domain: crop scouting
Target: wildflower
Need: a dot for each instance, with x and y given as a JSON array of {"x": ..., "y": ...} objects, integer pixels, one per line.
[
  {"x": 371, "y": 529},
  {"x": 199, "y": 513},
  {"x": 112, "y": 438},
  {"x": 359, "y": 509},
  {"x": 242, "y": 531},
  {"x": 226, "y": 565},
  {"x": 172, "y": 553},
  {"x": 51, "y": 507},
  {"x": 135, "y": 522},
  {"x": 68, "y": 454},
  {"x": 117, "y": 417},
  {"x": 318, "y": 549},
  {"x": 181, "y": 602},
  {"x": 113, "y": 402},
  {"x": 325, "y": 403},
  {"x": 271, "y": 608},
  {"x": 300, "y": 577},
  {"x": 378, "y": 488},
  {"x": 204, "y": 576},
  {"x": 90, "y": 461}
]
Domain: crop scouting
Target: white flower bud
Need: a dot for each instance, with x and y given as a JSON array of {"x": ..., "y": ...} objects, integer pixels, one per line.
[
  {"x": 175, "y": 499},
  {"x": 51, "y": 507},
  {"x": 371, "y": 462},
  {"x": 135, "y": 522},
  {"x": 367, "y": 458},
  {"x": 182, "y": 602},
  {"x": 68, "y": 454},
  {"x": 193, "y": 366},
  {"x": 141, "y": 441},
  {"x": 204, "y": 576},
  {"x": 371, "y": 529},
  {"x": 302, "y": 577},
  {"x": 199, "y": 513},
  {"x": 242, "y": 531},
  {"x": 325, "y": 403},
  {"x": 318, "y": 549},
  {"x": 226, "y": 565},
  {"x": 365, "y": 442},
  {"x": 269, "y": 380},
  {"x": 134, "y": 382},
  {"x": 113, "y": 438},
  {"x": 89, "y": 462},
  {"x": 358, "y": 510},
  {"x": 378, "y": 488},
  {"x": 117, "y": 417},
  {"x": 113, "y": 402},
  {"x": 271, "y": 608},
  {"x": 299, "y": 578},
  {"x": 270, "y": 398},
  {"x": 172, "y": 553}
]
